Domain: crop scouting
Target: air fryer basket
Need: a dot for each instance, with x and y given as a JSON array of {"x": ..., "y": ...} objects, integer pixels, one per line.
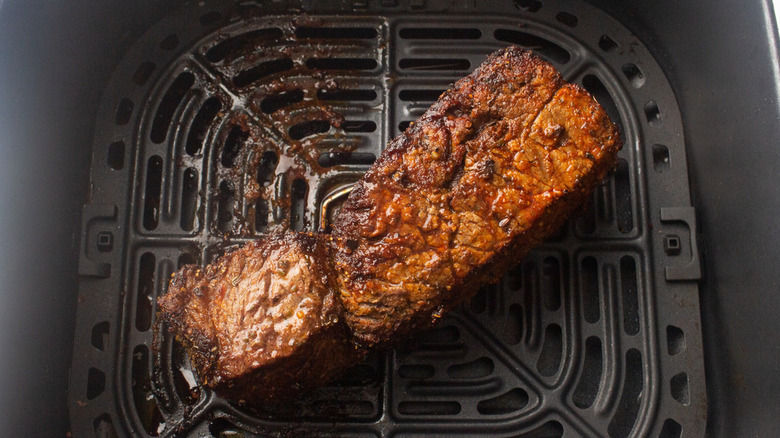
[
  {"x": 597, "y": 333},
  {"x": 224, "y": 123}
]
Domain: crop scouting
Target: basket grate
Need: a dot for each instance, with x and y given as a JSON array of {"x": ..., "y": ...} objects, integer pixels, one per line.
[{"x": 226, "y": 122}]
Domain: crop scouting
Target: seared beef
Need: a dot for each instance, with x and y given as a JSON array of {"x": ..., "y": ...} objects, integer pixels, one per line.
[
  {"x": 490, "y": 170},
  {"x": 263, "y": 322}
]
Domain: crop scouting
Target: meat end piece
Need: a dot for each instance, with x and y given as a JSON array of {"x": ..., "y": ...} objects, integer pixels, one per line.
[
  {"x": 263, "y": 322},
  {"x": 489, "y": 171}
]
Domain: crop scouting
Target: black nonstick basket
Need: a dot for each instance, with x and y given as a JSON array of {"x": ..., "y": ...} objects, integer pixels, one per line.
[
  {"x": 229, "y": 122},
  {"x": 225, "y": 121}
]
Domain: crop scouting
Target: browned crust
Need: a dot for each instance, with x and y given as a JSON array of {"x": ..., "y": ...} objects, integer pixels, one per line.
[
  {"x": 263, "y": 322},
  {"x": 490, "y": 170}
]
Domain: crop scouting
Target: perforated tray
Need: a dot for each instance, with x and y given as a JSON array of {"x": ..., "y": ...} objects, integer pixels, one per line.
[{"x": 225, "y": 122}]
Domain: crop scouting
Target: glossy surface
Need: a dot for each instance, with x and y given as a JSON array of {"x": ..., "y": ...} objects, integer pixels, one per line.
[
  {"x": 490, "y": 170},
  {"x": 262, "y": 322}
]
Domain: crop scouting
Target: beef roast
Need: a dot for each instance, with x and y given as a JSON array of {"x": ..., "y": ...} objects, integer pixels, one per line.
[
  {"x": 263, "y": 322},
  {"x": 490, "y": 170}
]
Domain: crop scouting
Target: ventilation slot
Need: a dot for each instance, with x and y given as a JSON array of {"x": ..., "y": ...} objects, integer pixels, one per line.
[
  {"x": 151, "y": 216},
  {"x": 168, "y": 105},
  {"x": 567, "y": 19},
  {"x": 628, "y": 408},
  {"x": 671, "y": 429},
  {"x": 590, "y": 378},
  {"x": 261, "y": 215},
  {"x": 223, "y": 428},
  {"x": 123, "y": 112},
  {"x": 210, "y": 18},
  {"x": 347, "y": 95},
  {"x": 336, "y": 32},
  {"x": 599, "y": 91},
  {"x": 266, "y": 173},
  {"x": 653, "y": 113},
  {"x": 254, "y": 74},
  {"x": 96, "y": 383},
  {"x": 542, "y": 47},
  {"x": 403, "y": 126},
  {"x": 143, "y": 313},
  {"x": 238, "y": 45},
  {"x": 513, "y": 280},
  {"x": 491, "y": 294},
  {"x": 511, "y": 401},
  {"x": 534, "y": 329},
  {"x": 186, "y": 259},
  {"x": 143, "y": 398},
  {"x": 440, "y": 33},
  {"x": 189, "y": 199},
  {"x": 429, "y": 408},
  {"x": 551, "y": 283},
  {"x": 331, "y": 159},
  {"x": 434, "y": 64},
  {"x": 200, "y": 125},
  {"x": 104, "y": 427},
  {"x": 298, "y": 191},
  {"x": 513, "y": 330},
  {"x": 552, "y": 351},
  {"x": 116, "y": 155},
  {"x": 675, "y": 340},
  {"x": 478, "y": 303},
  {"x": 266, "y": 168},
  {"x": 628, "y": 285},
  {"x": 589, "y": 290},
  {"x": 225, "y": 208},
  {"x": 416, "y": 371},
  {"x": 420, "y": 95},
  {"x": 586, "y": 222},
  {"x": 607, "y": 44},
  {"x": 349, "y": 407},
  {"x": 341, "y": 63},
  {"x": 143, "y": 73},
  {"x": 276, "y": 102},
  {"x": 183, "y": 379},
  {"x": 623, "y": 207},
  {"x": 602, "y": 203},
  {"x": 170, "y": 42},
  {"x": 100, "y": 335},
  {"x": 528, "y": 5},
  {"x": 233, "y": 144},
  {"x": 358, "y": 126},
  {"x": 475, "y": 369},
  {"x": 308, "y": 128},
  {"x": 679, "y": 388},
  {"x": 660, "y": 158},
  {"x": 634, "y": 75}
]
